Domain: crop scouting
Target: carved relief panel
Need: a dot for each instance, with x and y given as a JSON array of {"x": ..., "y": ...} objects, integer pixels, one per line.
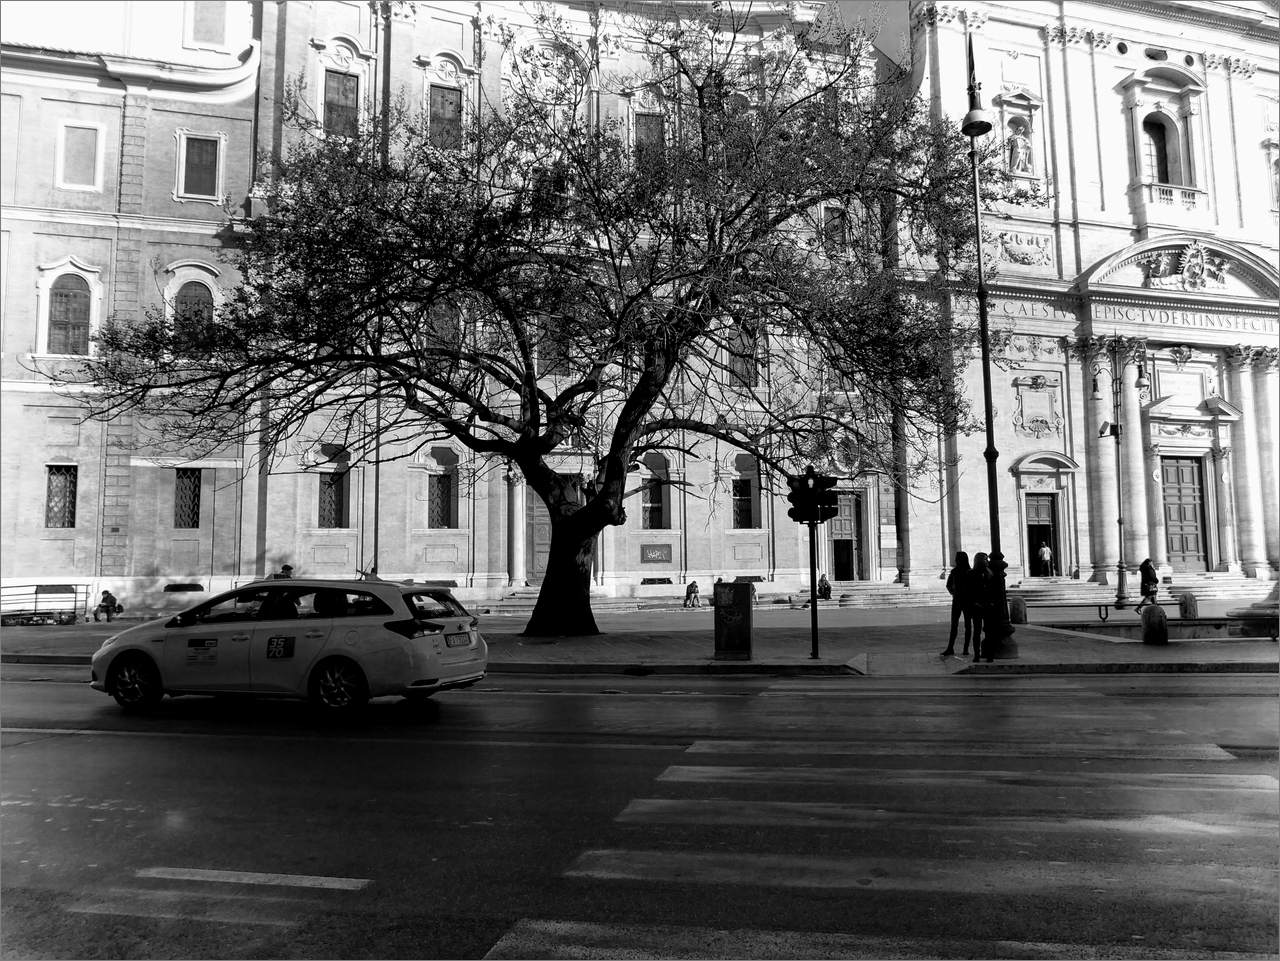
[{"x": 1037, "y": 411}]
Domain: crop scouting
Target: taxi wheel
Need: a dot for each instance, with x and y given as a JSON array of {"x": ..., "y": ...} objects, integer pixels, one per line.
[
  {"x": 135, "y": 683},
  {"x": 338, "y": 686}
]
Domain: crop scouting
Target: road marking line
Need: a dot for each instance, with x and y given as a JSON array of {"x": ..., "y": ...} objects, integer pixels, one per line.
[
  {"x": 214, "y": 913},
  {"x": 1152, "y": 752},
  {"x": 251, "y": 877},
  {"x": 578, "y": 939},
  {"x": 824, "y": 814},
  {"x": 372, "y": 739},
  {"x": 918, "y": 874},
  {"x": 879, "y": 777}
]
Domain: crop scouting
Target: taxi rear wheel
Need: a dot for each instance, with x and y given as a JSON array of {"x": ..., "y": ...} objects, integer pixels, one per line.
[
  {"x": 338, "y": 686},
  {"x": 135, "y": 682}
]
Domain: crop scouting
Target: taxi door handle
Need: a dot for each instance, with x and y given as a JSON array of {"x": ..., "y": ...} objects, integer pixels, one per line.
[
  {"x": 239, "y": 637},
  {"x": 314, "y": 634}
]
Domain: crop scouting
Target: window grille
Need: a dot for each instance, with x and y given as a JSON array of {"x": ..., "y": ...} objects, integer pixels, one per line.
[
  {"x": 186, "y": 497},
  {"x": 341, "y": 103},
  {"x": 440, "y": 501},
  {"x": 200, "y": 167},
  {"x": 60, "y": 497},
  {"x": 445, "y": 123},
  {"x": 334, "y": 488},
  {"x": 652, "y": 516},
  {"x": 69, "y": 315},
  {"x": 194, "y": 303},
  {"x": 743, "y": 515}
]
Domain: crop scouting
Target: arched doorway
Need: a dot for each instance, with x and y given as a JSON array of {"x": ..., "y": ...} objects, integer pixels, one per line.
[{"x": 1045, "y": 493}]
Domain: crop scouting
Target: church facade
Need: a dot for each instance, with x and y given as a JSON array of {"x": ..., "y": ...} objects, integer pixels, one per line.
[{"x": 1143, "y": 295}]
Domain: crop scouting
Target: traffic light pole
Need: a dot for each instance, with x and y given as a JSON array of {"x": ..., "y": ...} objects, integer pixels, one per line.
[{"x": 813, "y": 585}]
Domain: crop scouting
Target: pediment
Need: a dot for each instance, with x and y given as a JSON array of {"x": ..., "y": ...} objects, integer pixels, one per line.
[
  {"x": 1016, "y": 93},
  {"x": 1185, "y": 264},
  {"x": 1174, "y": 408}
]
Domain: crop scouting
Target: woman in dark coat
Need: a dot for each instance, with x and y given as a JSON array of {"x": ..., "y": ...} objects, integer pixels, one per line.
[
  {"x": 976, "y": 587},
  {"x": 1150, "y": 583},
  {"x": 955, "y": 587}
]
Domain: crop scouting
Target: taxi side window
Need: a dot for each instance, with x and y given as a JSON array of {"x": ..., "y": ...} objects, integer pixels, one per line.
[
  {"x": 426, "y": 605},
  {"x": 240, "y": 606},
  {"x": 359, "y": 604},
  {"x": 290, "y": 604}
]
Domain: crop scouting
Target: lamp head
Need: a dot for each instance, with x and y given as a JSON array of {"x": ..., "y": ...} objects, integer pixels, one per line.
[
  {"x": 1097, "y": 394},
  {"x": 976, "y": 123},
  {"x": 1142, "y": 383}
]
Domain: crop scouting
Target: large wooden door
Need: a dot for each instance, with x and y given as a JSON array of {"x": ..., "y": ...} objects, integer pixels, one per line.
[
  {"x": 846, "y": 539},
  {"x": 537, "y": 542},
  {"x": 1184, "y": 513}
]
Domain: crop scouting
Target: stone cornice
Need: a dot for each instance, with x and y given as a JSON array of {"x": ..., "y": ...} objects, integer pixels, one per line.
[
  {"x": 158, "y": 79},
  {"x": 1223, "y": 16},
  {"x": 91, "y": 218}
]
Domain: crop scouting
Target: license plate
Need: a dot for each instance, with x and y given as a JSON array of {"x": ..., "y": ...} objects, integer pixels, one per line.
[{"x": 457, "y": 640}]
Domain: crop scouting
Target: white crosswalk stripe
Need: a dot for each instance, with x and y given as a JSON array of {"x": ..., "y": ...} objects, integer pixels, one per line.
[
  {"x": 225, "y": 897},
  {"x": 1170, "y": 801}
]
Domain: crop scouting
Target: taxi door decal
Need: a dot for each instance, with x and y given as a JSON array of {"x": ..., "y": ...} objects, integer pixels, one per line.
[
  {"x": 202, "y": 650},
  {"x": 279, "y": 646}
]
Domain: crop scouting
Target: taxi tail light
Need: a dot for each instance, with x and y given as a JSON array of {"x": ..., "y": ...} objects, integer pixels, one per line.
[{"x": 414, "y": 628}]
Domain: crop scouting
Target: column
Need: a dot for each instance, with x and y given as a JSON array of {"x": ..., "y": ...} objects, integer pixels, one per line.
[
  {"x": 1136, "y": 544},
  {"x": 515, "y": 528},
  {"x": 1159, "y": 539},
  {"x": 1266, "y": 384},
  {"x": 1101, "y": 472},
  {"x": 1228, "y": 559},
  {"x": 1247, "y": 483}
]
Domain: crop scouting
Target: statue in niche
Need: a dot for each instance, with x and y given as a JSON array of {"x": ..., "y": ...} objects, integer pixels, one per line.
[{"x": 1019, "y": 148}]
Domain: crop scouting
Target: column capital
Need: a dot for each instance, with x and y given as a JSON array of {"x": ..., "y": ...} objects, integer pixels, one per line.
[
  {"x": 1266, "y": 358},
  {"x": 1240, "y": 357}
]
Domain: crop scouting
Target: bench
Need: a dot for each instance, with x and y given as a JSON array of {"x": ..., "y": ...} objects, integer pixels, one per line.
[{"x": 1018, "y": 607}]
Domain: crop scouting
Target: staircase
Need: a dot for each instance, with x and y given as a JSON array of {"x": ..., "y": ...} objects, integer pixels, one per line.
[
  {"x": 1206, "y": 586},
  {"x": 521, "y": 600},
  {"x": 1218, "y": 586}
]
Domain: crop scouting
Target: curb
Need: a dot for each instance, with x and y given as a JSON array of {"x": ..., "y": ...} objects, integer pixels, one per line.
[{"x": 794, "y": 670}]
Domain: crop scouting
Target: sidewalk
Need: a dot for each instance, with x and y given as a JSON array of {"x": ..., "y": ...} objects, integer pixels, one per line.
[{"x": 851, "y": 642}]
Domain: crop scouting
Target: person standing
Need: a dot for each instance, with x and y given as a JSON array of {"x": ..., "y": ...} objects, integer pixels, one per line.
[
  {"x": 1150, "y": 583},
  {"x": 957, "y": 588},
  {"x": 691, "y": 598},
  {"x": 977, "y": 585},
  {"x": 1046, "y": 559}
]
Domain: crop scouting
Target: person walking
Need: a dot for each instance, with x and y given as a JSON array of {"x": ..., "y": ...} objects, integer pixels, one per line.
[
  {"x": 1150, "y": 583},
  {"x": 286, "y": 573},
  {"x": 977, "y": 585},
  {"x": 1046, "y": 559},
  {"x": 957, "y": 588}
]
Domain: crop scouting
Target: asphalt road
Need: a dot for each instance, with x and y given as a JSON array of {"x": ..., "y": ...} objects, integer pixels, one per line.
[{"x": 1090, "y": 816}]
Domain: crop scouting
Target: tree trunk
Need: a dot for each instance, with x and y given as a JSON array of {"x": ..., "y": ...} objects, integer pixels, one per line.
[{"x": 564, "y": 603}]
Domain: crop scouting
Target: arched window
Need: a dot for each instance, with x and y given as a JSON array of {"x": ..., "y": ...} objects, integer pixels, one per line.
[
  {"x": 746, "y": 493},
  {"x": 69, "y": 315},
  {"x": 193, "y": 303},
  {"x": 655, "y": 494},
  {"x": 1155, "y": 144}
]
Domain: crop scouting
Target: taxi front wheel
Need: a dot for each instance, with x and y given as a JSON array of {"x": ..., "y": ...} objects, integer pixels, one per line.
[
  {"x": 135, "y": 682},
  {"x": 338, "y": 686}
]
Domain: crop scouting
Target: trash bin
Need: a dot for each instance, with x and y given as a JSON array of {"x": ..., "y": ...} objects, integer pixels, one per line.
[{"x": 733, "y": 622}]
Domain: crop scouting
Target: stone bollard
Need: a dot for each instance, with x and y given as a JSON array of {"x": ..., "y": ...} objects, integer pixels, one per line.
[
  {"x": 1188, "y": 606},
  {"x": 1155, "y": 625},
  {"x": 1017, "y": 610}
]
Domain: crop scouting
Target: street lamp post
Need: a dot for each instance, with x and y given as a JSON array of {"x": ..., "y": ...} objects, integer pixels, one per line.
[
  {"x": 999, "y": 640},
  {"x": 1117, "y": 350}
]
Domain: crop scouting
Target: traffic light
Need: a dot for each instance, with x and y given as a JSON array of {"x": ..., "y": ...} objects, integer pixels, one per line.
[
  {"x": 826, "y": 501},
  {"x": 801, "y": 498}
]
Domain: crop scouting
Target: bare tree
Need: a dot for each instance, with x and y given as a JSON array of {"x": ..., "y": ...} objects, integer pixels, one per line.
[{"x": 754, "y": 253}]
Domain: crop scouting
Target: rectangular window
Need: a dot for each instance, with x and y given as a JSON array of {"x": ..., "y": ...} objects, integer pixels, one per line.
[
  {"x": 334, "y": 490},
  {"x": 209, "y": 22},
  {"x": 835, "y": 229},
  {"x": 445, "y": 130},
  {"x": 650, "y": 137},
  {"x": 60, "y": 496},
  {"x": 652, "y": 516},
  {"x": 186, "y": 497},
  {"x": 742, "y": 358},
  {"x": 744, "y": 515},
  {"x": 341, "y": 103},
  {"x": 200, "y": 167},
  {"x": 80, "y": 157},
  {"x": 440, "y": 512}
]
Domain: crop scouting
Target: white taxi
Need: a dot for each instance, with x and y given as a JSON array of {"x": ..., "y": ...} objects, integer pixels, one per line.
[{"x": 337, "y": 643}]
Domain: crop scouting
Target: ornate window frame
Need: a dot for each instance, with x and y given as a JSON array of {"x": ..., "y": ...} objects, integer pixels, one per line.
[
  {"x": 1020, "y": 108},
  {"x": 447, "y": 68},
  {"x": 344, "y": 54},
  {"x": 46, "y": 275},
  {"x": 180, "y": 194}
]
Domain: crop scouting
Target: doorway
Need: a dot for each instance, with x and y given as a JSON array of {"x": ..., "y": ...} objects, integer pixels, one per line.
[
  {"x": 538, "y": 534},
  {"x": 1183, "y": 490},
  {"x": 846, "y": 539},
  {"x": 1042, "y": 530}
]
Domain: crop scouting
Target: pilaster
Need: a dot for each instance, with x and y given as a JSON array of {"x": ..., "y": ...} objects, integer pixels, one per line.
[
  {"x": 1244, "y": 441},
  {"x": 1159, "y": 538},
  {"x": 1228, "y": 556},
  {"x": 1266, "y": 383}
]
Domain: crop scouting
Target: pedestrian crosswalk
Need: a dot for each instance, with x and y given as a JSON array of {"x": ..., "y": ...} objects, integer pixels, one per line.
[
  {"x": 228, "y": 897},
  {"x": 1081, "y": 826}
]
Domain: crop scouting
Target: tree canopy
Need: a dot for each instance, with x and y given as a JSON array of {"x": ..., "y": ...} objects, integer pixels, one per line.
[{"x": 673, "y": 227}]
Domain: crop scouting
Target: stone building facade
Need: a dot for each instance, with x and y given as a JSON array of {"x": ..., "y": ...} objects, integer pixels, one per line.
[{"x": 1151, "y": 127}]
